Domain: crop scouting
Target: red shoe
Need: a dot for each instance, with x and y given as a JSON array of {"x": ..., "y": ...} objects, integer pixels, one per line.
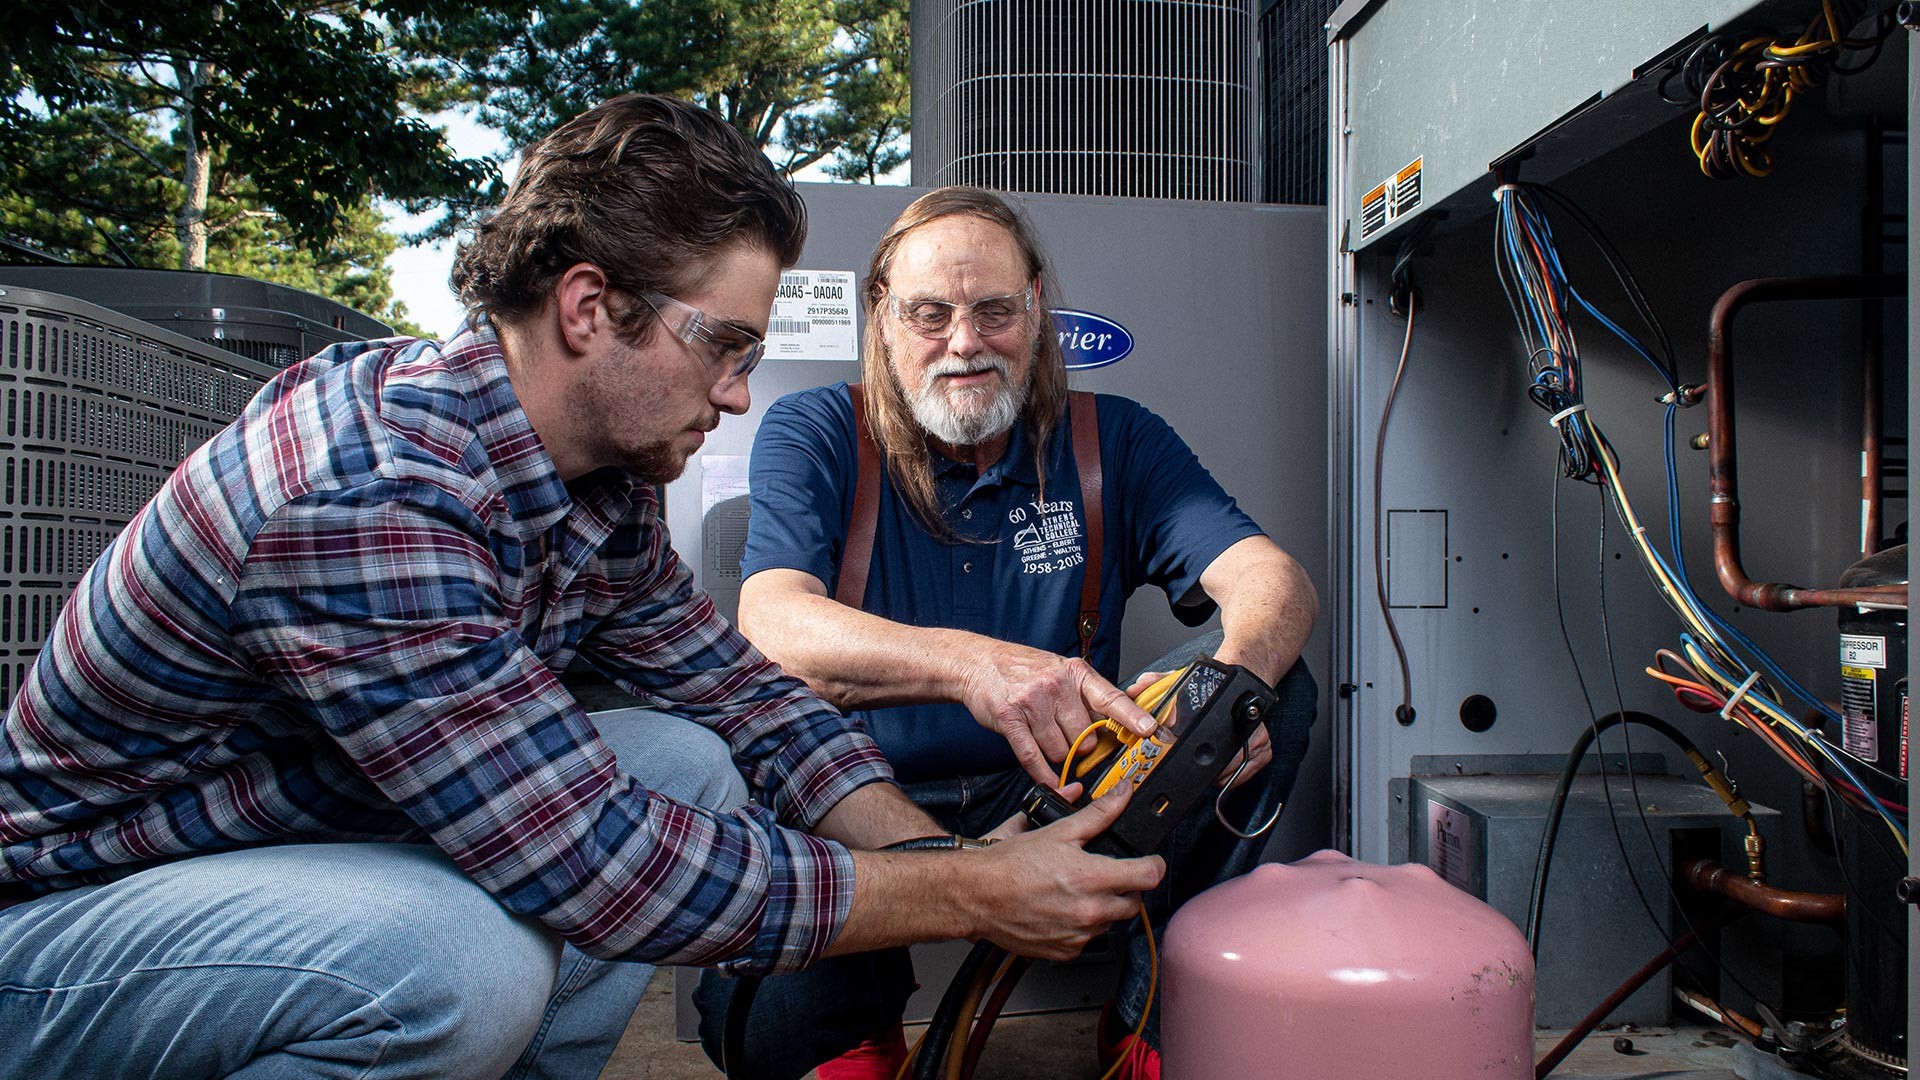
[
  {"x": 1136, "y": 1060},
  {"x": 879, "y": 1058}
]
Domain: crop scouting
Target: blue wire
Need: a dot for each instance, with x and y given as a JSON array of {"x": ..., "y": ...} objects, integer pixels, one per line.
[
  {"x": 1631, "y": 341},
  {"x": 1838, "y": 762},
  {"x": 1714, "y": 618},
  {"x": 1678, "y": 571},
  {"x": 1520, "y": 215}
]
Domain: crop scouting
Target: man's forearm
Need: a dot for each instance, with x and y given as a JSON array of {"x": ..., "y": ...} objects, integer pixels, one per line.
[
  {"x": 875, "y": 816},
  {"x": 1267, "y": 606},
  {"x": 851, "y": 658},
  {"x": 1039, "y": 701}
]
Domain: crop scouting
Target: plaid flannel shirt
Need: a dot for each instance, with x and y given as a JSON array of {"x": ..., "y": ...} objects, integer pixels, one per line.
[{"x": 343, "y": 619}]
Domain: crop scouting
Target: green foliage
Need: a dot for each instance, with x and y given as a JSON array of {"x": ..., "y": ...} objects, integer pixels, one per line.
[
  {"x": 89, "y": 196},
  {"x": 303, "y": 114},
  {"x": 808, "y": 80},
  {"x": 298, "y": 107}
]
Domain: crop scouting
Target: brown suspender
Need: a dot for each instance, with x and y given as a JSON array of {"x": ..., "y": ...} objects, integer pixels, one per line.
[
  {"x": 1086, "y": 458},
  {"x": 857, "y": 556}
]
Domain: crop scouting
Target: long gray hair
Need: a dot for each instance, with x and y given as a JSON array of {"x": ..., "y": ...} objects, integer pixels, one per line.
[{"x": 903, "y": 442}]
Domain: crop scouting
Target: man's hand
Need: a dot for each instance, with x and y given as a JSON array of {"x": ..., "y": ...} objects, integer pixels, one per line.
[
  {"x": 1259, "y": 745},
  {"x": 1057, "y": 897},
  {"x": 1039, "y": 702},
  {"x": 1035, "y": 893}
]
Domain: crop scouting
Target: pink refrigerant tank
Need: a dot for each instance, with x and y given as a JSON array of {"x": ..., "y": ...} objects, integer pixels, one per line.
[{"x": 1332, "y": 969}]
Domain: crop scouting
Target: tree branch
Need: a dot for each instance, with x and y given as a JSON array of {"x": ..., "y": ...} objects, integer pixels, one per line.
[{"x": 128, "y": 144}]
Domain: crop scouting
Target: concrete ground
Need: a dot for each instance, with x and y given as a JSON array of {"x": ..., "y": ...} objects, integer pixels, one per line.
[
  {"x": 1050, "y": 1046},
  {"x": 1059, "y": 1046}
]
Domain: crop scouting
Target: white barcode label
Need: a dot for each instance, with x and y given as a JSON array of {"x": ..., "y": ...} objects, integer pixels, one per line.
[{"x": 813, "y": 317}]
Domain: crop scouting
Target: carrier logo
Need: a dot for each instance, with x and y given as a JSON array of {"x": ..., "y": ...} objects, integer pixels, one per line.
[{"x": 1089, "y": 340}]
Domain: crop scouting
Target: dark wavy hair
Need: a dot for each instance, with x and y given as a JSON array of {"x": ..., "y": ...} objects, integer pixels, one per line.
[{"x": 645, "y": 187}]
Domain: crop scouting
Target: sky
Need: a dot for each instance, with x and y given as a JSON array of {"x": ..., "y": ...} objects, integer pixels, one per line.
[{"x": 420, "y": 272}]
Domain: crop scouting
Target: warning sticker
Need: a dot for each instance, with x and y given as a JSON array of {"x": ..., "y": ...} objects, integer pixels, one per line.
[
  {"x": 1861, "y": 733},
  {"x": 1390, "y": 200},
  {"x": 1450, "y": 845}
]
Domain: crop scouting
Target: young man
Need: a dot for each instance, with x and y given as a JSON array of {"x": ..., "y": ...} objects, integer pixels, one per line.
[
  {"x": 966, "y": 651},
  {"x": 294, "y": 787}
]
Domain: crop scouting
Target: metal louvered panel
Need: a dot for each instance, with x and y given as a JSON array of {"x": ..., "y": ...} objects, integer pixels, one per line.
[
  {"x": 1151, "y": 98},
  {"x": 96, "y": 409},
  {"x": 1293, "y": 63}
]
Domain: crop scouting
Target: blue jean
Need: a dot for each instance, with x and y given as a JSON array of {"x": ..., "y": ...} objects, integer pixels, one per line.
[
  {"x": 808, "y": 1017},
  {"x": 361, "y": 960}
]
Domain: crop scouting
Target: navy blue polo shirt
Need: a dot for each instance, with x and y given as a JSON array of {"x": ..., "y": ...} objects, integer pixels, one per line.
[{"x": 1015, "y": 573}]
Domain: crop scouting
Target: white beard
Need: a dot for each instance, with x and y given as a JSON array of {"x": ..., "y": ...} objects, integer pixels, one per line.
[{"x": 973, "y": 415}]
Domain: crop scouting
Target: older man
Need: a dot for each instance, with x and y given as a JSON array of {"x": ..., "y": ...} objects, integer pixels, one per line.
[
  {"x": 939, "y": 589},
  {"x": 295, "y": 788}
]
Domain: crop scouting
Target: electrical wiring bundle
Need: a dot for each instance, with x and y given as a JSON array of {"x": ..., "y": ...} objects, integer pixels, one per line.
[{"x": 1717, "y": 665}]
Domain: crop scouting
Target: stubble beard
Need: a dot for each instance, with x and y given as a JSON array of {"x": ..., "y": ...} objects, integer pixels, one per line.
[{"x": 656, "y": 462}]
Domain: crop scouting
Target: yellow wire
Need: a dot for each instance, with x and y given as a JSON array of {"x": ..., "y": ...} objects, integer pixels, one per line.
[
  {"x": 1778, "y": 718},
  {"x": 1153, "y": 985},
  {"x": 907, "y": 1065},
  {"x": 1066, "y": 763},
  {"x": 1150, "y": 699},
  {"x": 1758, "y": 696}
]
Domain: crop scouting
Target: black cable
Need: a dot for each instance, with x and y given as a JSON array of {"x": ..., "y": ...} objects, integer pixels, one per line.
[
  {"x": 1622, "y": 274},
  {"x": 1549, "y": 837},
  {"x": 930, "y": 1062},
  {"x": 1856, "y": 899},
  {"x": 1633, "y": 780},
  {"x": 733, "y": 1035},
  {"x": 1593, "y": 717},
  {"x": 1620, "y": 703},
  {"x": 1593, "y": 714}
]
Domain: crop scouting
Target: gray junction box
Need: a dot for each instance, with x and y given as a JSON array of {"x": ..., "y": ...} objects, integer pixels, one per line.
[{"x": 1482, "y": 833}]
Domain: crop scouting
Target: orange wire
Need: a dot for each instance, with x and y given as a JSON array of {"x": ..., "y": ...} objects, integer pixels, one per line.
[{"x": 1745, "y": 718}]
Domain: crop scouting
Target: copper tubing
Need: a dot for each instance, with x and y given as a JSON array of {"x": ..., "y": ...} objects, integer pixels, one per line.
[
  {"x": 1625, "y": 990},
  {"x": 1719, "y": 1013},
  {"x": 1722, "y": 480},
  {"x": 1709, "y": 877}
]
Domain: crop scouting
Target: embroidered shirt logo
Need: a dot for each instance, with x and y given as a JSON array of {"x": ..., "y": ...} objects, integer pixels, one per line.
[{"x": 1049, "y": 537}]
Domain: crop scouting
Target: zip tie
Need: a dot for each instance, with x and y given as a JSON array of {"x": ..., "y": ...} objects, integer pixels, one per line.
[
  {"x": 1566, "y": 412},
  {"x": 1503, "y": 189},
  {"x": 1726, "y": 711}
]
